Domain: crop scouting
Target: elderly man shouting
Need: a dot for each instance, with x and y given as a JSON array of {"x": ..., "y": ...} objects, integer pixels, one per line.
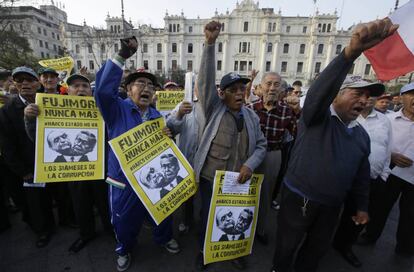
[
  {"x": 329, "y": 159},
  {"x": 232, "y": 139}
]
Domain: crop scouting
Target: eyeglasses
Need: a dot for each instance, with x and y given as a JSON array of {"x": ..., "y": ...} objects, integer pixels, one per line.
[
  {"x": 21, "y": 79},
  {"x": 142, "y": 85}
]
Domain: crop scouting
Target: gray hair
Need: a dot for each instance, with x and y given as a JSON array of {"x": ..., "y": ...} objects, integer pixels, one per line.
[{"x": 265, "y": 75}]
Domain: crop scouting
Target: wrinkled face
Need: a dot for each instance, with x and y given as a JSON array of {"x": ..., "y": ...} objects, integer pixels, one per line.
[
  {"x": 80, "y": 87},
  {"x": 350, "y": 102},
  {"x": 407, "y": 100},
  {"x": 155, "y": 179},
  {"x": 26, "y": 85},
  {"x": 59, "y": 142},
  {"x": 233, "y": 96},
  {"x": 141, "y": 92},
  {"x": 169, "y": 168},
  {"x": 271, "y": 88},
  {"x": 83, "y": 144},
  {"x": 49, "y": 81},
  {"x": 382, "y": 104},
  {"x": 225, "y": 221},
  {"x": 243, "y": 222}
]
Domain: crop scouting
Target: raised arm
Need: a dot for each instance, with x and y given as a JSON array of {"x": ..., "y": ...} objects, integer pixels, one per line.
[
  {"x": 108, "y": 80},
  {"x": 207, "y": 92},
  {"x": 325, "y": 88}
]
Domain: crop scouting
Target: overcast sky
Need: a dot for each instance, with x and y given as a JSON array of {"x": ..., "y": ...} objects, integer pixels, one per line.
[{"x": 153, "y": 11}]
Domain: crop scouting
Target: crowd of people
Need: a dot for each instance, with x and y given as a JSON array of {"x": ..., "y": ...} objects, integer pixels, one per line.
[{"x": 334, "y": 161}]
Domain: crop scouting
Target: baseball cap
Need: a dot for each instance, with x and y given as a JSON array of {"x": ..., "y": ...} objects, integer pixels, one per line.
[
  {"x": 170, "y": 83},
  {"x": 133, "y": 76},
  {"x": 77, "y": 76},
  {"x": 46, "y": 70},
  {"x": 384, "y": 96},
  {"x": 230, "y": 79},
  {"x": 356, "y": 82},
  {"x": 24, "y": 70},
  {"x": 407, "y": 88}
]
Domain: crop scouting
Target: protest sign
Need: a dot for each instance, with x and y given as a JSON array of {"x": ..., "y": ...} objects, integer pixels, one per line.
[
  {"x": 70, "y": 139},
  {"x": 168, "y": 100},
  {"x": 155, "y": 168},
  {"x": 232, "y": 218},
  {"x": 1, "y": 101},
  {"x": 63, "y": 66}
]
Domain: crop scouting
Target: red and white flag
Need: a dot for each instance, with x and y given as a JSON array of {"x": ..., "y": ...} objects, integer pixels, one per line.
[{"x": 394, "y": 56}]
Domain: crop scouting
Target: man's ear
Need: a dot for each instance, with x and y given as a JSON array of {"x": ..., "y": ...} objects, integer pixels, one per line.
[{"x": 221, "y": 94}]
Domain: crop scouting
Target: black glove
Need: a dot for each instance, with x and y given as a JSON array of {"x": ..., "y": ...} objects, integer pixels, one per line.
[{"x": 126, "y": 51}]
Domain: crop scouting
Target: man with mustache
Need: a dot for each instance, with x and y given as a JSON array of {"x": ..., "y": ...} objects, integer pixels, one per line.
[
  {"x": 170, "y": 168},
  {"x": 84, "y": 143},
  {"x": 127, "y": 211},
  {"x": 231, "y": 138},
  {"x": 243, "y": 222}
]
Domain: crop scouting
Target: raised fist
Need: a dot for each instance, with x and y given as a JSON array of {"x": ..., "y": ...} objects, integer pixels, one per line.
[
  {"x": 211, "y": 31},
  {"x": 368, "y": 35},
  {"x": 128, "y": 47}
]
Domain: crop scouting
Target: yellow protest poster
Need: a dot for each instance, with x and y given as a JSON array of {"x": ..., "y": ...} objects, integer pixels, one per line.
[
  {"x": 70, "y": 139},
  {"x": 155, "y": 168},
  {"x": 232, "y": 217},
  {"x": 63, "y": 66},
  {"x": 168, "y": 100},
  {"x": 1, "y": 101}
]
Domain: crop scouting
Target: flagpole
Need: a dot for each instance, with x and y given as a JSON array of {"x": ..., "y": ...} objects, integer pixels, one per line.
[{"x": 340, "y": 16}]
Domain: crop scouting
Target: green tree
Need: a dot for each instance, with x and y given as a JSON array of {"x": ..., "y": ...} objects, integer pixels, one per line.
[{"x": 15, "y": 51}]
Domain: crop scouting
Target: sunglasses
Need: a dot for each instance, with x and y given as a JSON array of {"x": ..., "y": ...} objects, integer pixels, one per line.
[{"x": 23, "y": 78}]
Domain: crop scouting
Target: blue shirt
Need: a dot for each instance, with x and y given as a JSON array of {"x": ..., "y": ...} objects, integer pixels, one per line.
[{"x": 119, "y": 115}]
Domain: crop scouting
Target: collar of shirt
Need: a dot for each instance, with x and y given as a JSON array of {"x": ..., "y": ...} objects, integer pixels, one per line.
[
  {"x": 372, "y": 114},
  {"x": 151, "y": 112},
  {"x": 400, "y": 114},
  {"x": 351, "y": 124}
]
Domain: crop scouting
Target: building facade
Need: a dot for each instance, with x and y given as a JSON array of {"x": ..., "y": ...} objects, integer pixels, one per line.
[
  {"x": 251, "y": 38},
  {"x": 41, "y": 26}
]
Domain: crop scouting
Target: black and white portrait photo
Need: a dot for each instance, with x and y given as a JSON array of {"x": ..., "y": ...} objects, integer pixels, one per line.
[
  {"x": 70, "y": 145},
  {"x": 161, "y": 175},
  {"x": 232, "y": 223}
]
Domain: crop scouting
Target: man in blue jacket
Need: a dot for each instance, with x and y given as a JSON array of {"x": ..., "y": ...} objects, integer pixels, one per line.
[{"x": 127, "y": 211}]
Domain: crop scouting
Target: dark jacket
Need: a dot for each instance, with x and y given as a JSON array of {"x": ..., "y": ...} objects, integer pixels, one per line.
[
  {"x": 18, "y": 150},
  {"x": 329, "y": 160}
]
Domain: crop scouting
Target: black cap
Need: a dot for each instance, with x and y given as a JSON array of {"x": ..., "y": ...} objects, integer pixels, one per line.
[
  {"x": 4, "y": 73},
  {"x": 232, "y": 78},
  {"x": 77, "y": 76},
  {"x": 133, "y": 76},
  {"x": 46, "y": 70}
]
